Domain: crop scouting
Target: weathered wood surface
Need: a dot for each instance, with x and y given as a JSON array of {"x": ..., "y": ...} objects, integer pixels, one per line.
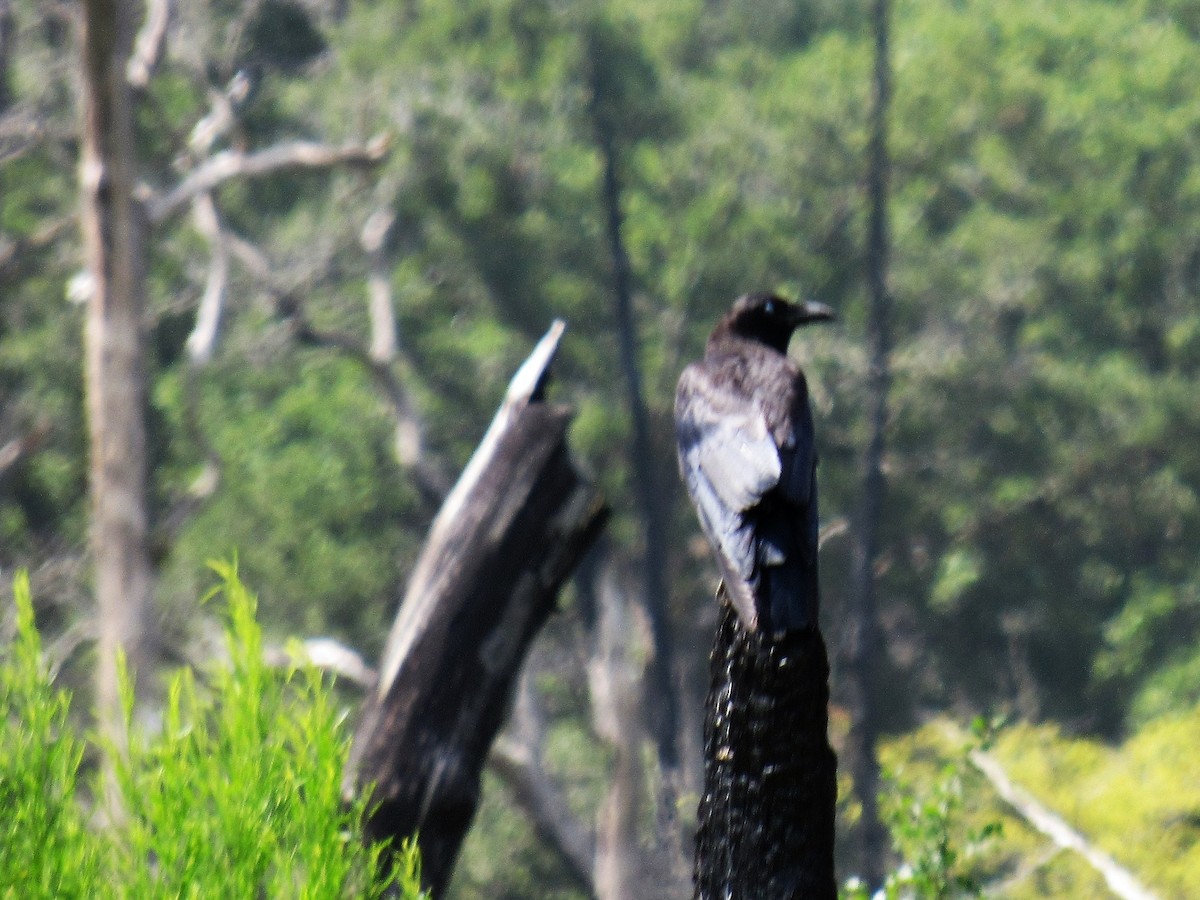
[
  {"x": 508, "y": 535},
  {"x": 770, "y": 778}
]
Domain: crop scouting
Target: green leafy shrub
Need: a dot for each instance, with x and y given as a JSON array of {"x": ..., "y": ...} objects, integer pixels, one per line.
[
  {"x": 46, "y": 849},
  {"x": 238, "y": 794},
  {"x": 933, "y": 830},
  {"x": 1137, "y": 801}
]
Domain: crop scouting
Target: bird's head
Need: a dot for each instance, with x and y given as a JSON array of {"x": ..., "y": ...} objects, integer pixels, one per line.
[{"x": 770, "y": 320}]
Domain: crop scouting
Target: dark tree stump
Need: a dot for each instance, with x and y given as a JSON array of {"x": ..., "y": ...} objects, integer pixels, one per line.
[
  {"x": 507, "y": 537},
  {"x": 770, "y": 777}
]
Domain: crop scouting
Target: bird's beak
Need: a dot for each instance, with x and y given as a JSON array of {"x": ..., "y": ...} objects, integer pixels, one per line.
[{"x": 811, "y": 311}]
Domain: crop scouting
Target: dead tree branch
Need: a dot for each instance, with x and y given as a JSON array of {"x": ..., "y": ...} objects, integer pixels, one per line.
[
  {"x": 222, "y": 116},
  {"x": 203, "y": 339},
  {"x": 385, "y": 343},
  {"x": 254, "y": 260},
  {"x": 327, "y": 655},
  {"x": 21, "y": 129},
  {"x": 429, "y": 475},
  {"x": 379, "y": 289},
  {"x": 229, "y": 164},
  {"x": 647, "y": 477},
  {"x": 1119, "y": 879},
  {"x": 149, "y": 43},
  {"x": 543, "y": 804},
  {"x": 115, "y": 365},
  {"x": 625, "y": 869},
  {"x": 200, "y": 346},
  {"x": 865, "y": 645},
  {"x": 509, "y": 534}
]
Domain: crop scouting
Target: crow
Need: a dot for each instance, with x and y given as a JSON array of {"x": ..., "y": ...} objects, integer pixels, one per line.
[{"x": 744, "y": 435}]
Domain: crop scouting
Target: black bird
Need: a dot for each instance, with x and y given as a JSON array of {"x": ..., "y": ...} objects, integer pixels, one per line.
[{"x": 744, "y": 433}]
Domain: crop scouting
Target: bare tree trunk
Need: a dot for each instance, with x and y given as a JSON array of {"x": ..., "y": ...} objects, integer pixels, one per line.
[
  {"x": 766, "y": 820},
  {"x": 865, "y": 643},
  {"x": 379, "y": 289},
  {"x": 613, "y": 677},
  {"x": 662, "y": 693},
  {"x": 508, "y": 535},
  {"x": 115, "y": 380},
  {"x": 8, "y": 29}
]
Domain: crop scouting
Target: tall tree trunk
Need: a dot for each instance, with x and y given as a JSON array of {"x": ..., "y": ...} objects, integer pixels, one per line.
[
  {"x": 374, "y": 240},
  {"x": 613, "y": 677},
  {"x": 7, "y": 40},
  {"x": 115, "y": 380},
  {"x": 650, "y": 501},
  {"x": 865, "y": 644}
]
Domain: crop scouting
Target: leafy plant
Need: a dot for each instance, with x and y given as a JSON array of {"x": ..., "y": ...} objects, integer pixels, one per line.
[
  {"x": 930, "y": 834},
  {"x": 238, "y": 794},
  {"x": 45, "y": 847}
]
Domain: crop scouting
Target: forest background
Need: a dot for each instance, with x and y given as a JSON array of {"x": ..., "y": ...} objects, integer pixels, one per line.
[{"x": 327, "y": 344}]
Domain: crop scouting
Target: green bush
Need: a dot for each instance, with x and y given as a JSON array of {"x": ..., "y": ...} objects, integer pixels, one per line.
[
  {"x": 46, "y": 849},
  {"x": 939, "y": 836},
  {"x": 237, "y": 795}
]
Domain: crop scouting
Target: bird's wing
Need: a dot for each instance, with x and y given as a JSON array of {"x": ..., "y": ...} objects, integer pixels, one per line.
[
  {"x": 798, "y": 454},
  {"x": 728, "y": 460},
  {"x": 725, "y": 439}
]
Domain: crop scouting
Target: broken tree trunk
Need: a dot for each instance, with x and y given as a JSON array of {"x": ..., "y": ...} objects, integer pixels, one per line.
[
  {"x": 770, "y": 777},
  {"x": 509, "y": 534}
]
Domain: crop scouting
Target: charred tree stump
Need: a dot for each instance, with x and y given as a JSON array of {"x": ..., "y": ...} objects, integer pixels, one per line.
[
  {"x": 508, "y": 535},
  {"x": 770, "y": 777}
]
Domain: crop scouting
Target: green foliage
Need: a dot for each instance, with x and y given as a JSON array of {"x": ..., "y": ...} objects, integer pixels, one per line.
[
  {"x": 1039, "y": 278},
  {"x": 504, "y": 859},
  {"x": 923, "y": 804},
  {"x": 316, "y": 506},
  {"x": 238, "y": 794},
  {"x": 922, "y": 828},
  {"x": 954, "y": 836},
  {"x": 241, "y": 792},
  {"x": 46, "y": 849},
  {"x": 281, "y": 34},
  {"x": 1140, "y": 801}
]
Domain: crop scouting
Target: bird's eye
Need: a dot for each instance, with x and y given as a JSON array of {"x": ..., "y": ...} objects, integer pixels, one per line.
[{"x": 769, "y": 308}]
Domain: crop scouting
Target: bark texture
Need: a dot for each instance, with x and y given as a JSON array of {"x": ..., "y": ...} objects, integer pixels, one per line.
[
  {"x": 114, "y": 349},
  {"x": 506, "y": 538},
  {"x": 770, "y": 777}
]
